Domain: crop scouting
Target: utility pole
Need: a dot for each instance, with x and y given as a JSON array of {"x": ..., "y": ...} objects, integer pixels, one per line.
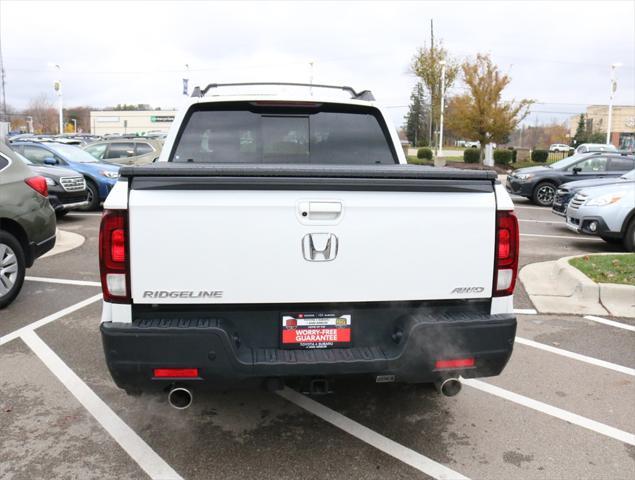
[
  {"x": 611, "y": 95},
  {"x": 431, "y": 92},
  {"x": 311, "y": 77},
  {"x": 442, "y": 62},
  {"x": 2, "y": 85}
]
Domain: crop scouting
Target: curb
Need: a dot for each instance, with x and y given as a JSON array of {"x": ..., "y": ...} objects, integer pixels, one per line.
[
  {"x": 557, "y": 287},
  {"x": 65, "y": 241}
]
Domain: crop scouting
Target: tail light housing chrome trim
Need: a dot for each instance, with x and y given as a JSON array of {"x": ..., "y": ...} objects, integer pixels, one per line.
[
  {"x": 114, "y": 256},
  {"x": 506, "y": 254}
]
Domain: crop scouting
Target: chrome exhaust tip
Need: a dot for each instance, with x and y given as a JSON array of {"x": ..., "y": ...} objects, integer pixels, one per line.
[
  {"x": 180, "y": 398},
  {"x": 448, "y": 387}
]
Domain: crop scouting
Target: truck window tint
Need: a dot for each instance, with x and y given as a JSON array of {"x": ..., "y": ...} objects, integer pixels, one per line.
[
  {"x": 3, "y": 162},
  {"x": 322, "y": 137},
  {"x": 120, "y": 150}
]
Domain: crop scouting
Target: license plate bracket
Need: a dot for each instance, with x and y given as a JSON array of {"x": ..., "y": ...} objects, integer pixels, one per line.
[{"x": 312, "y": 330}]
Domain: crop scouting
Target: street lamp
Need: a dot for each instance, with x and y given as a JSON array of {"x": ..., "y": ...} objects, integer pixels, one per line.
[
  {"x": 442, "y": 62},
  {"x": 58, "y": 88},
  {"x": 611, "y": 94}
]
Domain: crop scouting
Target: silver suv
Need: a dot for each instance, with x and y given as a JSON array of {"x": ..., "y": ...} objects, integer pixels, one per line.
[
  {"x": 607, "y": 211},
  {"x": 126, "y": 151}
]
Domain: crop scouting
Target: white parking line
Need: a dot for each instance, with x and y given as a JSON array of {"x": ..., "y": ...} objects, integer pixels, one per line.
[
  {"x": 544, "y": 209},
  {"x": 78, "y": 214},
  {"x": 576, "y": 356},
  {"x": 625, "y": 326},
  {"x": 63, "y": 281},
  {"x": 392, "y": 448},
  {"x": 542, "y": 221},
  {"x": 525, "y": 311},
  {"x": 581, "y": 237},
  {"x": 556, "y": 412},
  {"x": 125, "y": 436},
  {"x": 48, "y": 319}
]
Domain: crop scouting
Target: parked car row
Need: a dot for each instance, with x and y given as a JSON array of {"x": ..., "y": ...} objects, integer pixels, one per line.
[
  {"x": 594, "y": 191},
  {"x": 540, "y": 183}
]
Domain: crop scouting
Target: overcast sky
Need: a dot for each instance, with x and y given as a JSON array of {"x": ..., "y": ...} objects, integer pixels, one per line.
[{"x": 557, "y": 53}]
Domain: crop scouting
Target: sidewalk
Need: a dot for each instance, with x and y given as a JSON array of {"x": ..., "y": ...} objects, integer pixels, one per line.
[{"x": 557, "y": 287}]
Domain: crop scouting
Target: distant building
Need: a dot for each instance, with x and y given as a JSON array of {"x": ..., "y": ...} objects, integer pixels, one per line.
[
  {"x": 622, "y": 128},
  {"x": 130, "y": 121}
]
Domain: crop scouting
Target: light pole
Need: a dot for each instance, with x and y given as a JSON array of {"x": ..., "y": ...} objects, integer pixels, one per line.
[
  {"x": 58, "y": 89},
  {"x": 611, "y": 94},
  {"x": 442, "y": 62},
  {"x": 74, "y": 124}
]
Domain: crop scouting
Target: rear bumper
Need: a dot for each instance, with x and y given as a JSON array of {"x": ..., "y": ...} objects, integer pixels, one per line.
[
  {"x": 225, "y": 360},
  {"x": 66, "y": 202}
]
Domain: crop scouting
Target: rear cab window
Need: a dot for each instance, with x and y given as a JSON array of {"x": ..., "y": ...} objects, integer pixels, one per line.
[{"x": 278, "y": 132}]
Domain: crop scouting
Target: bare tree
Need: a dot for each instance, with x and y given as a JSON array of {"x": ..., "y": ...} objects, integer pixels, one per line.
[{"x": 44, "y": 114}]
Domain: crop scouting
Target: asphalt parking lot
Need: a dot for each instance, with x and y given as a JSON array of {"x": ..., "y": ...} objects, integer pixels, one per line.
[{"x": 564, "y": 408}]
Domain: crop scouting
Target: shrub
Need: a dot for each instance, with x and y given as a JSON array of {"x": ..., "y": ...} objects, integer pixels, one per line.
[
  {"x": 513, "y": 150},
  {"x": 423, "y": 142},
  {"x": 539, "y": 156},
  {"x": 424, "y": 153},
  {"x": 502, "y": 157},
  {"x": 472, "y": 155},
  {"x": 571, "y": 153}
]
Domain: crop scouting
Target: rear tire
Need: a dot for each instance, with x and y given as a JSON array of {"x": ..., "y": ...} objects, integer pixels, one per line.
[
  {"x": 544, "y": 193},
  {"x": 12, "y": 268},
  {"x": 629, "y": 236},
  {"x": 93, "y": 196}
]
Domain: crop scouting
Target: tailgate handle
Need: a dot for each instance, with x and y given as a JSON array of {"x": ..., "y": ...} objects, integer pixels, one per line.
[{"x": 324, "y": 210}]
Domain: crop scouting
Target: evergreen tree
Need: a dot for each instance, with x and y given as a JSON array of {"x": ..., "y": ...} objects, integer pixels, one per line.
[
  {"x": 417, "y": 117},
  {"x": 581, "y": 135}
]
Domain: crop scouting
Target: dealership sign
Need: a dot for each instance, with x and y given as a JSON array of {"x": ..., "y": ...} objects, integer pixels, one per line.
[{"x": 162, "y": 118}]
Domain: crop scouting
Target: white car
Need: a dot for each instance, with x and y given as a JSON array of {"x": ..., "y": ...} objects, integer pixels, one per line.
[
  {"x": 285, "y": 236},
  {"x": 559, "y": 147},
  {"x": 595, "y": 147}
]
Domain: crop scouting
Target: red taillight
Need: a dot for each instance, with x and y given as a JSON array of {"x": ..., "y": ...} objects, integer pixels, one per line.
[
  {"x": 176, "y": 372},
  {"x": 39, "y": 185},
  {"x": 506, "y": 262},
  {"x": 454, "y": 363},
  {"x": 113, "y": 256}
]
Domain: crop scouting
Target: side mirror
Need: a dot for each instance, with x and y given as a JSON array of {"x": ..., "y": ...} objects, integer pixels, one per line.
[
  {"x": 130, "y": 153},
  {"x": 576, "y": 170},
  {"x": 50, "y": 161}
]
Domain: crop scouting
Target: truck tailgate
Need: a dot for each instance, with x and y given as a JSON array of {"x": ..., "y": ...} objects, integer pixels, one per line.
[{"x": 201, "y": 240}]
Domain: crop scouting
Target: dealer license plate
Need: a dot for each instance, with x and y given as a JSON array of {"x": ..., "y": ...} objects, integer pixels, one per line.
[{"x": 315, "y": 330}]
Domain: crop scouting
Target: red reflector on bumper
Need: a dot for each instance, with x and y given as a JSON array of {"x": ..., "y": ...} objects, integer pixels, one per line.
[
  {"x": 456, "y": 363},
  {"x": 176, "y": 372}
]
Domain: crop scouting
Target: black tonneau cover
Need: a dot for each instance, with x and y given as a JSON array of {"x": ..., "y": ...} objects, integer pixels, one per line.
[{"x": 184, "y": 176}]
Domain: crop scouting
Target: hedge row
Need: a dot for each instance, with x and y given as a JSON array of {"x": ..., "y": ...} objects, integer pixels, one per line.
[
  {"x": 424, "y": 153},
  {"x": 472, "y": 155},
  {"x": 539, "y": 156},
  {"x": 503, "y": 157}
]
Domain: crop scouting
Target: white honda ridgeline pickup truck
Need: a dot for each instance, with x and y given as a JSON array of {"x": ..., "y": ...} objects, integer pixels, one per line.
[{"x": 284, "y": 237}]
